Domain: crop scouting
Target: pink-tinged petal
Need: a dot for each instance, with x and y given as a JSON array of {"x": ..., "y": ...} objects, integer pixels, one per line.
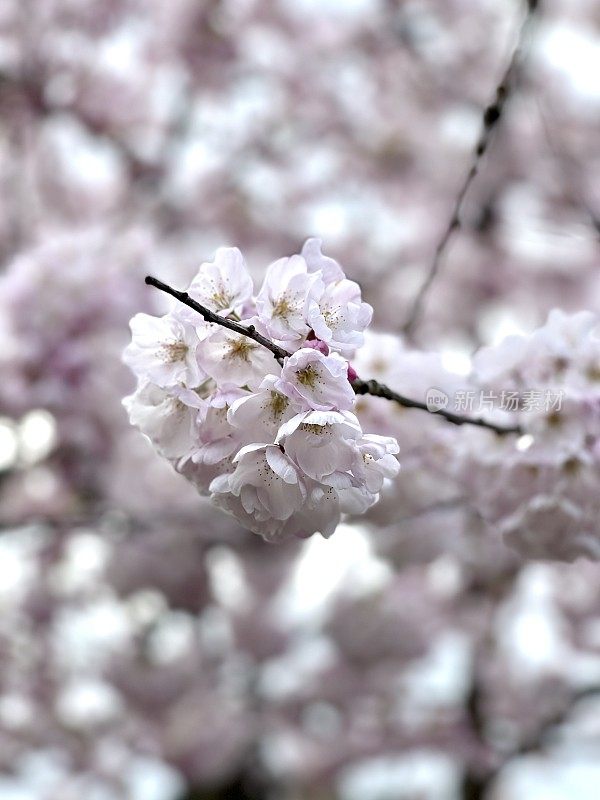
[
  {"x": 317, "y": 344},
  {"x": 163, "y": 351},
  {"x": 316, "y": 261},
  {"x": 283, "y": 300},
  {"x": 223, "y": 284},
  {"x": 281, "y": 465},
  {"x": 315, "y": 381}
]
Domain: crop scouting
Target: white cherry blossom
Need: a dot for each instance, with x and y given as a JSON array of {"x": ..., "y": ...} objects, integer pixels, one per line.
[
  {"x": 283, "y": 300},
  {"x": 163, "y": 350},
  {"x": 217, "y": 439},
  {"x": 166, "y": 416},
  {"x": 339, "y": 317},
  {"x": 234, "y": 360},
  {"x": 267, "y": 483},
  {"x": 201, "y": 474},
  {"x": 315, "y": 381},
  {"x": 263, "y": 412},
  {"x": 323, "y": 445},
  {"x": 271, "y": 530},
  {"x": 321, "y": 513},
  {"x": 376, "y": 461},
  {"x": 224, "y": 284},
  {"x": 356, "y": 500}
]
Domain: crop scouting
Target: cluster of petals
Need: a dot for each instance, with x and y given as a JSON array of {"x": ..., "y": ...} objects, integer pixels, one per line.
[
  {"x": 540, "y": 490},
  {"x": 276, "y": 445}
]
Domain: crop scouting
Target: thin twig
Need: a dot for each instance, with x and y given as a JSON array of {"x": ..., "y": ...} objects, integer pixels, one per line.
[
  {"x": 565, "y": 160},
  {"x": 490, "y": 120},
  {"x": 360, "y": 387},
  {"x": 377, "y": 389}
]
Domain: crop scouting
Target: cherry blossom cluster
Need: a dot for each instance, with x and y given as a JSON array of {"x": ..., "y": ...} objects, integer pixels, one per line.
[
  {"x": 273, "y": 441},
  {"x": 540, "y": 490}
]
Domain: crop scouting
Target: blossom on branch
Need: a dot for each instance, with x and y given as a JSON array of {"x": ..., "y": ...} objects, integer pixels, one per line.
[
  {"x": 314, "y": 381},
  {"x": 250, "y": 397},
  {"x": 224, "y": 284},
  {"x": 163, "y": 350}
]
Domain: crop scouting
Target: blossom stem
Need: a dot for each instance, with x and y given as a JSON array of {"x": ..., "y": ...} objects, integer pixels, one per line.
[
  {"x": 491, "y": 117},
  {"x": 360, "y": 387}
]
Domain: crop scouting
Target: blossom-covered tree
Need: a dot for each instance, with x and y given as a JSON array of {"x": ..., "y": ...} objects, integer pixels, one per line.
[{"x": 431, "y": 407}]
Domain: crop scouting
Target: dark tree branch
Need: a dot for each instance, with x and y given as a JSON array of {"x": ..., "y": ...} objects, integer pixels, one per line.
[
  {"x": 490, "y": 120},
  {"x": 380, "y": 390},
  {"x": 360, "y": 387},
  {"x": 476, "y": 786},
  {"x": 210, "y": 316}
]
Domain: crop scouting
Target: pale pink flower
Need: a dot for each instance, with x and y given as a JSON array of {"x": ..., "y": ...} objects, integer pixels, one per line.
[
  {"x": 224, "y": 284},
  {"x": 261, "y": 413},
  {"x": 235, "y": 360},
  {"x": 166, "y": 416},
  {"x": 376, "y": 461},
  {"x": 339, "y": 317},
  {"x": 314, "y": 381},
  {"x": 163, "y": 350},
  {"x": 216, "y": 438},
  {"x": 323, "y": 445},
  {"x": 267, "y": 483},
  {"x": 283, "y": 300}
]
